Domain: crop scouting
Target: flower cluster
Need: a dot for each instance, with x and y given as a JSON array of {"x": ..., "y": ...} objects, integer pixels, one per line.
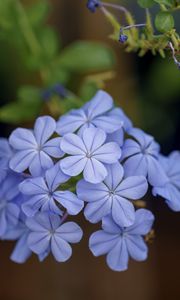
[{"x": 91, "y": 159}]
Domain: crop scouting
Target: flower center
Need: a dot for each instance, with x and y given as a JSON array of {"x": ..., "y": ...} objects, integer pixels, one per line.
[
  {"x": 112, "y": 193},
  {"x": 88, "y": 154}
]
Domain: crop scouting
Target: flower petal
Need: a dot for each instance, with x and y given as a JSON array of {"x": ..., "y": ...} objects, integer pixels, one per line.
[
  {"x": 123, "y": 211},
  {"x": 70, "y": 232},
  {"x": 43, "y": 129},
  {"x": 117, "y": 258},
  {"x": 93, "y": 138},
  {"x": 117, "y": 137},
  {"x": 53, "y": 148},
  {"x": 130, "y": 147},
  {"x": 100, "y": 104},
  {"x": 108, "y": 225},
  {"x": 95, "y": 211},
  {"x": 38, "y": 242},
  {"x": 21, "y": 160},
  {"x": 33, "y": 186},
  {"x": 91, "y": 192},
  {"x": 142, "y": 224},
  {"x": 21, "y": 250},
  {"x": 61, "y": 250},
  {"x": 22, "y": 139},
  {"x": 136, "y": 247},
  {"x": 107, "y": 123},
  {"x": 73, "y": 144},
  {"x": 109, "y": 153},
  {"x": 118, "y": 112},
  {"x": 71, "y": 122},
  {"x": 136, "y": 165},
  {"x": 156, "y": 174},
  {"x": 40, "y": 164},
  {"x": 94, "y": 171},
  {"x": 115, "y": 175},
  {"x": 73, "y": 165},
  {"x": 101, "y": 242},
  {"x": 54, "y": 177},
  {"x": 69, "y": 201},
  {"x": 171, "y": 194},
  {"x": 133, "y": 187}
]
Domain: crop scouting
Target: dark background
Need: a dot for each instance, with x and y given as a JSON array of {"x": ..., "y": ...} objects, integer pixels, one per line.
[{"x": 142, "y": 87}]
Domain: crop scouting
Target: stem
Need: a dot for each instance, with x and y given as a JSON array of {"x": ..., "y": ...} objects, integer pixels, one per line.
[
  {"x": 111, "y": 18},
  {"x": 26, "y": 29},
  {"x": 29, "y": 36},
  {"x": 64, "y": 217},
  {"x": 115, "y": 6},
  {"x": 131, "y": 26}
]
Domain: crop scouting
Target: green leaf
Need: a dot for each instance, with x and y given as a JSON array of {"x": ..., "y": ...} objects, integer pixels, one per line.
[
  {"x": 49, "y": 41},
  {"x": 26, "y": 108},
  {"x": 146, "y": 3},
  {"x": 169, "y": 3},
  {"x": 81, "y": 57},
  {"x": 38, "y": 12},
  {"x": 164, "y": 21}
]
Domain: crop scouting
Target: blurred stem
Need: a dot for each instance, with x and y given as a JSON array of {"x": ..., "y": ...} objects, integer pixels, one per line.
[
  {"x": 111, "y": 18},
  {"x": 26, "y": 29},
  {"x": 64, "y": 217},
  {"x": 29, "y": 36}
]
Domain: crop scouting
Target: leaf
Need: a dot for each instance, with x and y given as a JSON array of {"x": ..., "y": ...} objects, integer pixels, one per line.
[
  {"x": 26, "y": 108},
  {"x": 38, "y": 12},
  {"x": 146, "y": 3},
  {"x": 169, "y": 3},
  {"x": 164, "y": 21},
  {"x": 49, "y": 41},
  {"x": 81, "y": 57}
]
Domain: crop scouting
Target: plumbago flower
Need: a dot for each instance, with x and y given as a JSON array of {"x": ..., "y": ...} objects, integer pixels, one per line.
[
  {"x": 6, "y": 154},
  {"x": 9, "y": 210},
  {"x": 20, "y": 232},
  {"x": 92, "y": 5},
  {"x": 141, "y": 153},
  {"x": 33, "y": 148},
  {"x": 170, "y": 191},
  {"x": 117, "y": 162},
  {"x": 89, "y": 154},
  {"x": 99, "y": 112},
  {"x": 44, "y": 195},
  {"x": 120, "y": 243},
  {"x": 48, "y": 234},
  {"x": 112, "y": 196}
]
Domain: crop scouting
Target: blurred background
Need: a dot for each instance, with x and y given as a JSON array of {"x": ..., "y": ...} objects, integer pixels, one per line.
[{"x": 148, "y": 90}]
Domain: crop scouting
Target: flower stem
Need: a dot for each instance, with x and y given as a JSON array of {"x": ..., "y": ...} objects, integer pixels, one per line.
[
  {"x": 64, "y": 217},
  {"x": 115, "y": 6},
  {"x": 26, "y": 29}
]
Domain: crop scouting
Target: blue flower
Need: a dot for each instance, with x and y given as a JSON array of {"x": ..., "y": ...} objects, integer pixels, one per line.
[
  {"x": 141, "y": 153},
  {"x": 112, "y": 196},
  {"x": 47, "y": 234},
  {"x": 33, "y": 149},
  {"x": 123, "y": 38},
  {"x": 57, "y": 89},
  {"x": 6, "y": 153},
  {"x": 88, "y": 154},
  {"x": 43, "y": 194},
  {"x": 98, "y": 113},
  {"x": 170, "y": 191},
  {"x": 9, "y": 210},
  {"x": 120, "y": 243},
  {"x": 93, "y": 4}
]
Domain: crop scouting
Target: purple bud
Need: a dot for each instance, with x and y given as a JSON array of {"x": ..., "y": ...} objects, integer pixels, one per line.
[
  {"x": 60, "y": 90},
  {"x": 93, "y": 4},
  {"x": 122, "y": 38},
  {"x": 46, "y": 95}
]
